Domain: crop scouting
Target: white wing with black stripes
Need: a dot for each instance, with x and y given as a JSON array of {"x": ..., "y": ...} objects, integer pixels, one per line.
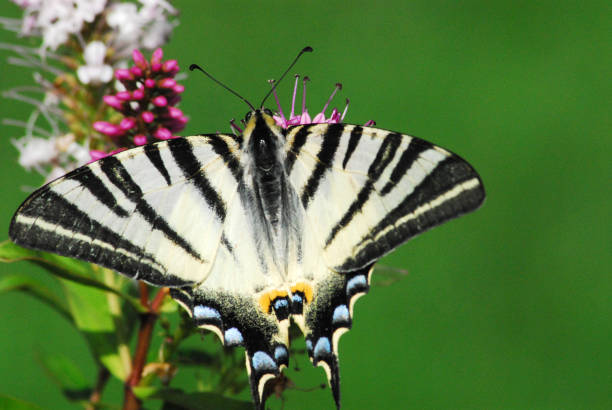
[
  {"x": 367, "y": 190},
  {"x": 253, "y": 231},
  {"x": 142, "y": 212},
  {"x": 363, "y": 192}
]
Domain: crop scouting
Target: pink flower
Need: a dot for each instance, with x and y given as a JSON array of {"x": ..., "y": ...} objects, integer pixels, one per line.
[
  {"x": 148, "y": 103},
  {"x": 304, "y": 117}
]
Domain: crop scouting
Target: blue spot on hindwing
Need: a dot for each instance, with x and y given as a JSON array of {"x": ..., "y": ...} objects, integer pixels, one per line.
[
  {"x": 322, "y": 348},
  {"x": 341, "y": 315},
  {"x": 233, "y": 337},
  {"x": 281, "y": 303},
  {"x": 309, "y": 346},
  {"x": 356, "y": 284},
  {"x": 296, "y": 298},
  {"x": 205, "y": 312},
  {"x": 262, "y": 362},
  {"x": 280, "y": 354}
]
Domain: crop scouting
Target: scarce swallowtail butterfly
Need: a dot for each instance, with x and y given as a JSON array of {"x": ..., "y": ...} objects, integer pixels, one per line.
[{"x": 252, "y": 231}]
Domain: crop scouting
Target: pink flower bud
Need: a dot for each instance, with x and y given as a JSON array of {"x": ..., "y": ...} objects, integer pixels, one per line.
[
  {"x": 107, "y": 128},
  {"x": 147, "y": 116},
  {"x": 171, "y": 66},
  {"x": 127, "y": 123},
  {"x": 162, "y": 133},
  {"x": 96, "y": 154},
  {"x": 123, "y": 74},
  {"x": 156, "y": 67},
  {"x": 160, "y": 101},
  {"x": 167, "y": 83},
  {"x": 139, "y": 59},
  {"x": 113, "y": 101},
  {"x": 174, "y": 112},
  {"x": 138, "y": 94},
  {"x": 149, "y": 83},
  {"x": 124, "y": 95},
  {"x": 157, "y": 56},
  {"x": 140, "y": 139},
  {"x": 179, "y": 88},
  {"x": 136, "y": 71}
]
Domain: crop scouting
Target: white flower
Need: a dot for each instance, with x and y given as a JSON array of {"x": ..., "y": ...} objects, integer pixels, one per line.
[
  {"x": 95, "y": 71},
  {"x": 56, "y": 20},
  {"x": 35, "y": 152}
]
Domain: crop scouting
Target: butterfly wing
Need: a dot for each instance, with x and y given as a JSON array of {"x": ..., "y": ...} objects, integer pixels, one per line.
[
  {"x": 172, "y": 214},
  {"x": 143, "y": 212},
  {"x": 364, "y": 191}
]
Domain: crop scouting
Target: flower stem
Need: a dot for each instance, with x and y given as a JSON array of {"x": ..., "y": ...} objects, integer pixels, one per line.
[{"x": 147, "y": 321}]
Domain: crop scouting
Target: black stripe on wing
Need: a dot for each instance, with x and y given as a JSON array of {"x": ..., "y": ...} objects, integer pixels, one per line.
[
  {"x": 352, "y": 144},
  {"x": 86, "y": 178},
  {"x": 384, "y": 156},
  {"x": 48, "y": 222},
  {"x": 152, "y": 152},
  {"x": 182, "y": 152},
  {"x": 403, "y": 222},
  {"x": 298, "y": 142},
  {"x": 331, "y": 140},
  {"x": 121, "y": 178}
]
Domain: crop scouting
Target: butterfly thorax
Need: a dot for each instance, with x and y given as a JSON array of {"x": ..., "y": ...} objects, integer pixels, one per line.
[{"x": 273, "y": 211}]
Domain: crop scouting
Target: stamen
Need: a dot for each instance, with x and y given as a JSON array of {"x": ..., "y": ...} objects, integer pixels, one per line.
[
  {"x": 295, "y": 86},
  {"x": 235, "y": 128},
  {"x": 338, "y": 87},
  {"x": 345, "y": 110},
  {"x": 304, "y": 94},
  {"x": 280, "y": 110}
]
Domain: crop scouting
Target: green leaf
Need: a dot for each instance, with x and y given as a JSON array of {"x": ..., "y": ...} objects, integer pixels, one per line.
[
  {"x": 179, "y": 399},
  {"x": 12, "y": 403},
  {"x": 37, "y": 289},
  {"x": 65, "y": 373},
  {"x": 96, "y": 319},
  {"x": 66, "y": 268}
]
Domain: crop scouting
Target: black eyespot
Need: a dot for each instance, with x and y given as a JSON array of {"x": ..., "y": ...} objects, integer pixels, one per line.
[
  {"x": 268, "y": 111},
  {"x": 247, "y": 116}
]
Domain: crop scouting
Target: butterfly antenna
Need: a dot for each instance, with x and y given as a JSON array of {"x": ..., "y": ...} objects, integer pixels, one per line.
[
  {"x": 304, "y": 50},
  {"x": 197, "y": 67}
]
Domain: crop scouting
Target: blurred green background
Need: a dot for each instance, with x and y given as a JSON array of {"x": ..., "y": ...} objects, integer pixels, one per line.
[{"x": 509, "y": 307}]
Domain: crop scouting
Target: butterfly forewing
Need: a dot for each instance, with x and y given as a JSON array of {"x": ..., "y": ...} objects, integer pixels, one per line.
[
  {"x": 151, "y": 213},
  {"x": 367, "y": 190}
]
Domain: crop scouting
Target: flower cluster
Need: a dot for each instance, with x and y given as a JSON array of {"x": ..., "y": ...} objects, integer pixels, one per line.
[
  {"x": 304, "y": 117},
  {"x": 146, "y": 26},
  {"x": 82, "y": 43},
  {"x": 148, "y": 102}
]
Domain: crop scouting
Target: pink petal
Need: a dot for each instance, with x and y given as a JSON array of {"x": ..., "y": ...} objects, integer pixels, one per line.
[
  {"x": 123, "y": 74},
  {"x": 157, "y": 56},
  {"x": 107, "y": 128},
  {"x": 160, "y": 101},
  {"x": 147, "y": 116},
  {"x": 124, "y": 95},
  {"x": 171, "y": 66},
  {"x": 113, "y": 101},
  {"x": 149, "y": 83},
  {"x": 127, "y": 123},
  {"x": 136, "y": 71},
  {"x": 138, "y": 94},
  {"x": 178, "y": 88},
  {"x": 140, "y": 139},
  {"x": 139, "y": 59},
  {"x": 162, "y": 133},
  {"x": 167, "y": 83}
]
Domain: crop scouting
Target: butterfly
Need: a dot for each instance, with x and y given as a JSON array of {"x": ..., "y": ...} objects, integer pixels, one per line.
[{"x": 253, "y": 231}]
